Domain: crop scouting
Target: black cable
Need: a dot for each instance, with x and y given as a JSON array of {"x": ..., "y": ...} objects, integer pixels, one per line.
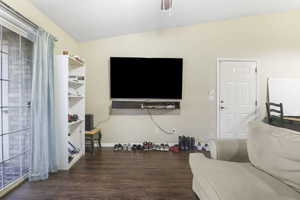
[
  {"x": 102, "y": 121},
  {"x": 157, "y": 125},
  {"x": 151, "y": 117}
]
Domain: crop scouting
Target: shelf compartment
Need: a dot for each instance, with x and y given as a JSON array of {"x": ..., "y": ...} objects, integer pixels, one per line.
[
  {"x": 76, "y": 97},
  {"x": 75, "y": 84},
  {"x": 74, "y": 62},
  {"x": 74, "y": 123},
  {"x": 72, "y": 133},
  {"x": 76, "y": 76},
  {"x": 74, "y": 130},
  {"x": 75, "y": 159}
]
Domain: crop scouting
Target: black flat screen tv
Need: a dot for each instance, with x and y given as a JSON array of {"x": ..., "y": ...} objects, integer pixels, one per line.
[{"x": 146, "y": 78}]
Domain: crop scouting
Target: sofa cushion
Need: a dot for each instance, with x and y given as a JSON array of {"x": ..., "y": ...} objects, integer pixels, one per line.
[
  {"x": 223, "y": 180},
  {"x": 234, "y": 150},
  {"x": 276, "y": 151}
]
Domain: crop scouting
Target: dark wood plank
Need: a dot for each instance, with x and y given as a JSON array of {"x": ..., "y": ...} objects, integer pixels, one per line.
[{"x": 116, "y": 176}]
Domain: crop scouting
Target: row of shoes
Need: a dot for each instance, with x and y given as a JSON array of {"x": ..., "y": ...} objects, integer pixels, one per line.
[
  {"x": 146, "y": 146},
  {"x": 186, "y": 143},
  {"x": 199, "y": 147},
  {"x": 202, "y": 147},
  {"x": 149, "y": 146}
]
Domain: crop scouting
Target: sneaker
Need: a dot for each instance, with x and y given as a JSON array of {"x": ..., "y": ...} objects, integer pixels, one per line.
[
  {"x": 120, "y": 147},
  {"x": 134, "y": 147},
  {"x": 162, "y": 147},
  {"x": 188, "y": 144},
  {"x": 183, "y": 144},
  {"x": 193, "y": 144},
  {"x": 157, "y": 148},
  {"x": 180, "y": 141},
  {"x": 73, "y": 148},
  {"x": 145, "y": 146},
  {"x": 199, "y": 147},
  {"x": 70, "y": 158},
  {"x": 175, "y": 149},
  {"x": 150, "y": 146},
  {"x": 205, "y": 148},
  {"x": 128, "y": 147},
  {"x": 124, "y": 147},
  {"x": 167, "y": 147},
  {"x": 116, "y": 147},
  {"x": 154, "y": 147},
  {"x": 139, "y": 147}
]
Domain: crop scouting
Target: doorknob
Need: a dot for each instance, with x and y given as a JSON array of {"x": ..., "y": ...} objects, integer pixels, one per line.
[
  {"x": 222, "y": 107},
  {"x": 221, "y": 101}
]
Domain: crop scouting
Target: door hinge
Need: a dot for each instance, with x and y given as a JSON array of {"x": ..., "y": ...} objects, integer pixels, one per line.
[
  {"x": 255, "y": 69},
  {"x": 256, "y": 103}
]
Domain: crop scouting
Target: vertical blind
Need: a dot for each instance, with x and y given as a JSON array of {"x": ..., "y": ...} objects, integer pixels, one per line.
[
  {"x": 16, "y": 77},
  {"x": 16, "y": 54}
]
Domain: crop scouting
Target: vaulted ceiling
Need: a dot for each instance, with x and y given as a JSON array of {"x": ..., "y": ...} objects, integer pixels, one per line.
[{"x": 94, "y": 19}]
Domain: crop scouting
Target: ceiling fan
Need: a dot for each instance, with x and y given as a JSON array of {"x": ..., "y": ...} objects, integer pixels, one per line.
[{"x": 166, "y": 5}]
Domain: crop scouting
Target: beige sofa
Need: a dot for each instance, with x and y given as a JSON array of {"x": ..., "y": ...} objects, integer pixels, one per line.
[{"x": 273, "y": 175}]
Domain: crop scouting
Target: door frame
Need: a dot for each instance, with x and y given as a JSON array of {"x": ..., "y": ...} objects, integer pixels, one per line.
[{"x": 219, "y": 60}]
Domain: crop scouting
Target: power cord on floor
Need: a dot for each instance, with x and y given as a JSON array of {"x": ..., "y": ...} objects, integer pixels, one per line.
[
  {"x": 103, "y": 121},
  {"x": 151, "y": 117},
  {"x": 157, "y": 125}
]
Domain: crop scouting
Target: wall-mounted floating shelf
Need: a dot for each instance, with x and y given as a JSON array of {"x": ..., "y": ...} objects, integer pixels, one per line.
[{"x": 74, "y": 123}]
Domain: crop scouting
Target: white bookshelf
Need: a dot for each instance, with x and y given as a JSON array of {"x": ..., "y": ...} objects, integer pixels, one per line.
[{"x": 69, "y": 99}]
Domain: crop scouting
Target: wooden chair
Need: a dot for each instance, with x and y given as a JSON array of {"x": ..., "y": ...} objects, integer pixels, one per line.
[
  {"x": 274, "y": 108},
  {"x": 91, "y": 136},
  {"x": 289, "y": 122},
  {"x": 278, "y": 108}
]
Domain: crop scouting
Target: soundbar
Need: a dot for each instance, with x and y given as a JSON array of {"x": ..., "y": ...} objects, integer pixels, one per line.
[
  {"x": 146, "y": 105},
  {"x": 170, "y": 106}
]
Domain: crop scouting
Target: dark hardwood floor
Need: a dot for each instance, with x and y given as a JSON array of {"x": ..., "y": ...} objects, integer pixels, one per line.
[{"x": 116, "y": 176}]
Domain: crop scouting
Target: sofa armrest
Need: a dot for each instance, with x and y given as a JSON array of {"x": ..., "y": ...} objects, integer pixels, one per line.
[{"x": 234, "y": 150}]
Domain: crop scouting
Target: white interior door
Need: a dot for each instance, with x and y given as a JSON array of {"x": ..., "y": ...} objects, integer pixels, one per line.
[{"x": 237, "y": 97}]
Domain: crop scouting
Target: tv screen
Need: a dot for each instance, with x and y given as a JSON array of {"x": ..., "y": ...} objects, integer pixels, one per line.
[{"x": 146, "y": 78}]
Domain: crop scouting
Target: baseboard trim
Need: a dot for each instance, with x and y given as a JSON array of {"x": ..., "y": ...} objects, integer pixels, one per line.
[
  {"x": 107, "y": 144},
  {"x": 12, "y": 186}
]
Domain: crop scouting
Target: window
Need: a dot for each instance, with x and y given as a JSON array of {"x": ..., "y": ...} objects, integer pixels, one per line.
[{"x": 15, "y": 117}]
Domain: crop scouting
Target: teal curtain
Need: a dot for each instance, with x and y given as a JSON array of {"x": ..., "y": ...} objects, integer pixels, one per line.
[{"x": 44, "y": 149}]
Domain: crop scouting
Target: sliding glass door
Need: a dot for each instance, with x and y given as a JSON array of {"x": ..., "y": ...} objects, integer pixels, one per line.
[{"x": 15, "y": 117}]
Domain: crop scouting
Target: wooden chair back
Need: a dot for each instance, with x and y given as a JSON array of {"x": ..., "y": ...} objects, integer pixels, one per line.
[{"x": 274, "y": 108}]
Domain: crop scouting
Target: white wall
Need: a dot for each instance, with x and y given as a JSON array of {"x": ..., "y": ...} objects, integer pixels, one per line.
[{"x": 273, "y": 39}]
